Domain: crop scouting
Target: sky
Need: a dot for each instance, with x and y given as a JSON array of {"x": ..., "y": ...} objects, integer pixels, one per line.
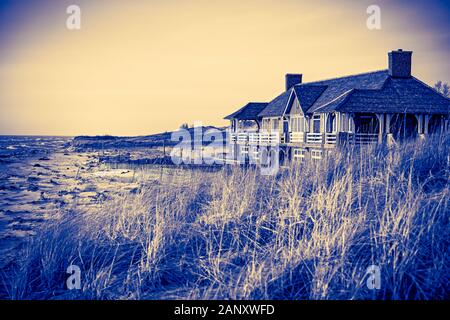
[{"x": 139, "y": 67}]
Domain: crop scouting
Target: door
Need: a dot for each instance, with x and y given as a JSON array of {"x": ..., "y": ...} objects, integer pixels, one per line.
[{"x": 285, "y": 132}]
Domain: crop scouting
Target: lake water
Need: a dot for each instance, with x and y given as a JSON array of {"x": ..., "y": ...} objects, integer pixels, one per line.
[{"x": 13, "y": 148}]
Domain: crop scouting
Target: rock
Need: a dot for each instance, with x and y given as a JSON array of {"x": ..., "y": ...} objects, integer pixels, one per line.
[
  {"x": 101, "y": 197},
  {"x": 63, "y": 193},
  {"x": 12, "y": 187},
  {"x": 32, "y": 187},
  {"x": 32, "y": 179},
  {"x": 134, "y": 190}
]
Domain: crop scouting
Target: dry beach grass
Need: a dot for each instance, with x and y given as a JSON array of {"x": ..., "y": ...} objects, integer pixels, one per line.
[{"x": 308, "y": 233}]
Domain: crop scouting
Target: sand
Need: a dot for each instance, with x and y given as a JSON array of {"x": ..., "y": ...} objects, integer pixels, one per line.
[{"x": 38, "y": 189}]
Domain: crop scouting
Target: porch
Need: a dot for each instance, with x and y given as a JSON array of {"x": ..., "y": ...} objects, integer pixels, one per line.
[
  {"x": 332, "y": 129},
  {"x": 257, "y": 138},
  {"x": 333, "y": 139}
]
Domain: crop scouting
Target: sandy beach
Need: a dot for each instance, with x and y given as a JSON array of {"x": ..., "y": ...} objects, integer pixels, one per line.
[{"x": 36, "y": 187}]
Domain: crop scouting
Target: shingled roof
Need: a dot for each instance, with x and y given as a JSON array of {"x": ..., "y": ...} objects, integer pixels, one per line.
[
  {"x": 248, "y": 112},
  {"x": 306, "y": 94},
  {"x": 277, "y": 106},
  {"x": 387, "y": 91},
  {"x": 338, "y": 87},
  {"x": 397, "y": 96},
  {"x": 368, "y": 92}
]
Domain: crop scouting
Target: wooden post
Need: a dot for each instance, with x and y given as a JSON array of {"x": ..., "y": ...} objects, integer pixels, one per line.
[
  {"x": 258, "y": 124},
  {"x": 388, "y": 123},
  {"x": 338, "y": 122},
  {"x": 323, "y": 127},
  {"x": 380, "y": 127},
  {"x": 420, "y": 126},
  {"x": 419, "y": 119},
  {"x": 323, "y": 122},
  {"x": 164, "y": 148},
  {"x": 351, "y": 123},
  {"x": 427, "y": 121},
  {"x": 389, "y": 137}
]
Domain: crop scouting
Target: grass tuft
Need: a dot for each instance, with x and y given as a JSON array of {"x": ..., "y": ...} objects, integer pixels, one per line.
[{"x": 310, "y": 232}]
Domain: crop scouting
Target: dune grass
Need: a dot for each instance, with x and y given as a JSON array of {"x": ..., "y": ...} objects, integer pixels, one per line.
[{"x": 310, "y": 232}]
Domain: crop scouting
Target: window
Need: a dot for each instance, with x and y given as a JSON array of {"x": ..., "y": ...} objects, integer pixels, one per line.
[
  {"x": 297, "y": 124},
  {"x": 351, "y": 124},
  {"x": 275, "y": 124},
  {"x": 299, "y": 153},
  {"x": 316, "y": 154},
  {"x": 331, "y": 123},
  {"x": 293, "y": 125},
  {"x": 255, "y": 152},
  {"x": 316, "y": 123}
]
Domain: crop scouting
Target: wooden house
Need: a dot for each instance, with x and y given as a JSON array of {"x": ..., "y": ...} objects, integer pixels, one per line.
[{"x": 307, "y": 119}]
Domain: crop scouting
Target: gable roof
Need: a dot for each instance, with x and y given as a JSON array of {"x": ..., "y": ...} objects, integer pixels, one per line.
[
  {"x": 367, "y": 92},
  {"x": 248, "y": 112},
  {"x": 308, "y": 94},
  {"x": 337, "y": 88},
  {"x": 315, "y": 95},
  {"x": 397, "y": 96},
  {"x": 277, "y": 106}
]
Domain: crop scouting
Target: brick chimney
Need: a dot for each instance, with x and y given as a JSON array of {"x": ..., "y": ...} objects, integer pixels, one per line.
[
  {"x": 400, "y": 63},
  {"x": 292, "y": 79}
]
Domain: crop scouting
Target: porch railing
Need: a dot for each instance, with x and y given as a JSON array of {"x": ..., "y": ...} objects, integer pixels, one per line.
[
  {"x": 242, "y": 137},
  {"x": 269, "y": 138},
  {"x": 330, "y": 138},
  {"x": 256, "y": 138},
  {"x": 364, "y": 138},
  {"x": 319, "y": 138},
  {"x": 253, "y": 138},
  {"x": 314, "y": 138},
  {"x": 297, "y": 137}
]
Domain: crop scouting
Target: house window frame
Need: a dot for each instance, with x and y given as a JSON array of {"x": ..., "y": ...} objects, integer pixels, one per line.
[
  {"x": 351, "y": 123},
  {"x": 297, "y": 124},
  {"x": 318, "y": 118},
  {"x": 316, "y": 154},
  {"x": 275, "y": 124},
  {"x": 299, "y": 153}
]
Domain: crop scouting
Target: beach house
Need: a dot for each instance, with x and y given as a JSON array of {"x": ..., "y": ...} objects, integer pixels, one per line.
[{"x": 310, "y": 119}]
